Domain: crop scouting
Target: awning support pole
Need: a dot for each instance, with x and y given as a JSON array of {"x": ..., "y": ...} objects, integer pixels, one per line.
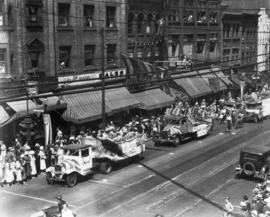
[{"x": 102, "y": 77}]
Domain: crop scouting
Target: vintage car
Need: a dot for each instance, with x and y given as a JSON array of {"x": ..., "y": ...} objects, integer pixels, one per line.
[
  {"x": 180, "y": 128},
  {"x": 81, "y": 159},
  {"x": 254, "y": 162}
]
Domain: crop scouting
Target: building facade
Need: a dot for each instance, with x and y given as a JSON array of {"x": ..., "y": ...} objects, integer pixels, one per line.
[
  {"x": 245, "y": 40},
  {"x": 56, "y": 38},
  {"x": 4, "y": 40},
  {"x": 168, "y": 31},
  {"x": 145, "y": 30},
  {"x": 263, "y": 40},
  {"x": 193, "y": 30}
]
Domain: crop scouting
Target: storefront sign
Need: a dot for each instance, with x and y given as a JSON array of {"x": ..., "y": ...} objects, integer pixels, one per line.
[{"x": 94, "y": 77}]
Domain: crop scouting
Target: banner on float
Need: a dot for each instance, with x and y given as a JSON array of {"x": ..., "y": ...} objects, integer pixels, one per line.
[{"x": 47, "y": 128}]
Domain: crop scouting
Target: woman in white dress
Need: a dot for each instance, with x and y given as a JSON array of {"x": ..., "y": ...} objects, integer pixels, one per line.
[
  {"x": 33, "y": 163},
  {"x": 9, "y": 173},
  {"x": 42, "y": 159},
  {"x": 18, "y": 171}
]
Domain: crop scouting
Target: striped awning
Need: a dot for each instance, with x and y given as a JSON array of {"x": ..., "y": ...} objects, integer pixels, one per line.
[
  {"x": 87, "y": 106},
  {"x": 154, "y": 98},
  {"x": 236, "y": 80},
  {"x": 193, "y": 84},
  {"x": 212, "y": 80},
  {"x": 221, "y": 76},
  {"x": 83, "y": 107},
  {"x": 118, "y": 99}
]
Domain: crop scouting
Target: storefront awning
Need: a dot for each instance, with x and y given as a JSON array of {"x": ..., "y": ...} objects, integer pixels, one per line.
[
  {"x": 236, "y": 80},
  {"x": 152, "y": 99},
  {"x": 222, "y": 77},
  {"x": 20, "y": 107},
  {"x": 212, "y": 80},
  {"x": 83, "y": 107},
  {"x": 195, "y": 86},
  {"x": 118, "y": 99},
  {"x": 87, "y": 106},
  {"x": 4, "y": 116}
]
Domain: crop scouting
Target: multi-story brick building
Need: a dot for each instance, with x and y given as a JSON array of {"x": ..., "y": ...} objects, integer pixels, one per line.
[
  {"x": 190, "y": 28},
  {"x": 243, "y": 40},
  {"x": 56, "y": 38},
  {"x": 144, "y": 32},
  {"x": 4, "y": 38},
  {"x": 193, "y": 30}
]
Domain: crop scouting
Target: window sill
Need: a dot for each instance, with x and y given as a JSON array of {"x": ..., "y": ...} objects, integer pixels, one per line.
[
  {"x": 90, "y": 68},
  {"x": 66, "y": 71},
  {"x": 111, "y": 29},
  {"x": 89, "y": 29},
  {"x": 65, "y": 28}
]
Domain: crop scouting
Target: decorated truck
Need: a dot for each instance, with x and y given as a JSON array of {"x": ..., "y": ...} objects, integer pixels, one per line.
[
  {"x": 180, "y": 128},
  {"x": 82, "y": 159},
  {"x": 256, "y": 110}
]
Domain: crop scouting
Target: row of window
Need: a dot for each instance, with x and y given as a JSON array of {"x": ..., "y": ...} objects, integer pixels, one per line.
[
  {"x": 65, "y": 55},
  {"x": 64, "y": 15}
]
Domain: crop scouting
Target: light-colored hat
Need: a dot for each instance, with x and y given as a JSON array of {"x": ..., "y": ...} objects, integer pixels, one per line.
[{"x": 41, "y": 148}]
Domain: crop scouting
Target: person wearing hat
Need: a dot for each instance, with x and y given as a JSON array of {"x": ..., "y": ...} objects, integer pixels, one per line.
[
  {"x": 228, "y": 207},
  {"x": 27, "y": 164},
  {"x": 66, "y": 211},
  {"x": 37, "y": 158},
  {"x": 245, "y": 206},
  {"x": 33, "y": 163},
  {"x": 2, "y": 164},
  {"x": 60, "y": 203},
  {"x": 18, "y": 171},
  {"x": 42, "y": 159}
]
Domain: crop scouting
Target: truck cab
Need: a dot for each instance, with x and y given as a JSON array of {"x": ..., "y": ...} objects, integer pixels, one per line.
[{"x": 76, "y": 160}]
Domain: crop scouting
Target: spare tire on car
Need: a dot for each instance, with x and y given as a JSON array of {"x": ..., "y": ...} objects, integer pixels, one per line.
[{"x": 249, "y": 168}]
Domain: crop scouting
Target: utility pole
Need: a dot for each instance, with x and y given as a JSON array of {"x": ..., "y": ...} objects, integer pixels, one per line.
[{"x": 102, "y": 77}]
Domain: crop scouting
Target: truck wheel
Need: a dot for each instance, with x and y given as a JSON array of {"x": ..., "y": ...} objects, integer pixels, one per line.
[
  {"x": 49, "y": 178},
  {"x": 105, "y": 167},
  {"x": 177, "y": 141},
  {"x": 249, "y": 169},
  {"x": 71, "y": 179}
]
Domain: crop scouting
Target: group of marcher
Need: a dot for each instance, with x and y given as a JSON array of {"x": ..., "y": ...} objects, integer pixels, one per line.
[
  {"x": 257, "y": 206},
  {"x": 20, "y": 163}
]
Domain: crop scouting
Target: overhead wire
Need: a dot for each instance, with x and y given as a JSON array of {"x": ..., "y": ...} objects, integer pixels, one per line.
[
  {"x": 119, "y": 77},
  {"x": 77, "y": 90}
]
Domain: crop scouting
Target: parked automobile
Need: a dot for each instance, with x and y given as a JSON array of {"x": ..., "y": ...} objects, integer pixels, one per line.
[{"x": 254, "y": 162}]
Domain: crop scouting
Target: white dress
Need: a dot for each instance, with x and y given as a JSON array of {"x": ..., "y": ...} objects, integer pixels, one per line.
[
  {"x": 33, "y": 165},
  {"x": 9, "y": 173},
  {"x": 42, "y": 160},
  {"x": 18, "y": 171}
]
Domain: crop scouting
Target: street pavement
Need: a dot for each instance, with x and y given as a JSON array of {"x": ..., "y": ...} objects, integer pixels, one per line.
[{"x": 191, "y": 180}]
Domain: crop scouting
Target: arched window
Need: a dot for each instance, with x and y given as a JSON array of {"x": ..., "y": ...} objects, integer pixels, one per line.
[
  {"x": 148, "y": 28},
  {"x": 130, "y": 23},
  {"x": 140, "y": 23}
]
